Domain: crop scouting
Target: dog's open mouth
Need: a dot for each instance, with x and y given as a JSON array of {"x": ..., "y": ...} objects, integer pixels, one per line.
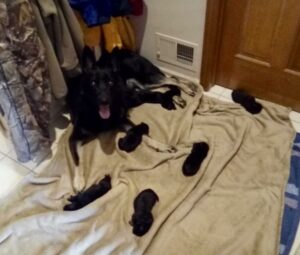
[{"x": 104, "y": 111}]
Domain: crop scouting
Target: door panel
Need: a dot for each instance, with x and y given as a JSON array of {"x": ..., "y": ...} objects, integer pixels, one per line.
[
  {"x": 259, "y": 27},
  {"x": 260, "y": 49}
]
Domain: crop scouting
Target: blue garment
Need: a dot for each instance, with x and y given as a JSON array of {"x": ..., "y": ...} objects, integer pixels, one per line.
[
  {"x": 93, "y": 12},
  {"x": 98, "y": 12},
  {"x": 291, "y": 215}
]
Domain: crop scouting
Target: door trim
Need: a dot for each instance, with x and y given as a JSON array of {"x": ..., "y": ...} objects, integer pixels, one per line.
[{"x": 215, "y": 11}]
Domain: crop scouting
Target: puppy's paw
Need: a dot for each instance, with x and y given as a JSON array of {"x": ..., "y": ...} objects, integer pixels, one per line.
[
  {"x": 72, "y": 206},
  {"x": 129, "y": 144},
  {"x": 133, "y": 138},
  {"x": 180, "y": 102},
  {"x": 73, "y": 199},
  {"x": 169, "y": 105}
]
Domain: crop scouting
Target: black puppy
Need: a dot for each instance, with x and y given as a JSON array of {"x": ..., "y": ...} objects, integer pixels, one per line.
[
  {"x": 193, "y": 162},
  {"x": 92, "y": 193},
  {"x": 134, "y": 66},
  {"x": 133, "y": 137},
  {"x": 99, "y": 99},
  {"x": 247, "y": 101},
  {"x": 142, "y": 217}
]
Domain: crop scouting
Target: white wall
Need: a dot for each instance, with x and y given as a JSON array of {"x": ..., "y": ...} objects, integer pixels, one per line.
[{"x": 177, "y": 18}]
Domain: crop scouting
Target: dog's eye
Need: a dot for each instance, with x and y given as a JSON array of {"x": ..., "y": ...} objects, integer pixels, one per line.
[{"x": 110, "y": 83}]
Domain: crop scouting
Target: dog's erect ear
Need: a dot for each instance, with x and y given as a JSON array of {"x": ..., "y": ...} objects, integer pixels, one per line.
[
  {"x": 105, "y": 59},
  {"x": 88, "y": 59},
  {"x": 115, "y": 63}
]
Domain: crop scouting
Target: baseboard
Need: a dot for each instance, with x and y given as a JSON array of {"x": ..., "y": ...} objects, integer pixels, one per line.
[{"x": 180, "y": 75}]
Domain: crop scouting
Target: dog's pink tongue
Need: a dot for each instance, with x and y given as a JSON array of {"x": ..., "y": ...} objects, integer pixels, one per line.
[{"x": 104, "y": 111}]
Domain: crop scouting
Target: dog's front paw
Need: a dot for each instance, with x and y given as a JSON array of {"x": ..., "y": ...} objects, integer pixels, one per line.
[
  {"x": 79, "y": 183},
  {"x": 192, "y": 86}
]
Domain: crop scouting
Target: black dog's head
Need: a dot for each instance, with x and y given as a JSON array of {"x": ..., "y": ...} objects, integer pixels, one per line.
[
  {"x": 141, "y": 222},
  {"x": 102, "y": 82}
]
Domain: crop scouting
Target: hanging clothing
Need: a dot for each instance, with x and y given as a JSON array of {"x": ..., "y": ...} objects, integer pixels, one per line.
[
  {"x": 119, "y": 33},
  {"x": 93, "y": 12},
  {"x": 64, "y": 33},
  {"x": 57, "y": 80},
  {"x": 62, "y": 37},
  {"x": 24, "y": 83},
  {"x": 120, "y": 8},
  {"x": 99, "y": 12},
  {"x": 92, "y": 35},
  {"x": 137, "y": 7}
]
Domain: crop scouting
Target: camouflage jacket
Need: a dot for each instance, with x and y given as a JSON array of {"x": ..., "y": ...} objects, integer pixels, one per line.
[{"x": 24, "y": 84}]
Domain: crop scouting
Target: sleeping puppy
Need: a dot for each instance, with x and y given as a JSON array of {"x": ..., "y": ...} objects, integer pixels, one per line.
[
  {"x": 133, "y": 137},
  {"x": 247, "y": 101},
  {"x": 134, "y": 66},
  {"x": 193, "y": 162},
  {"x": 142, "y": 217},
  {"x": 92, "y": 193}
]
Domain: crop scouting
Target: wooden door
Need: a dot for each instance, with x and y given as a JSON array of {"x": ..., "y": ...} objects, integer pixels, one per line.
[{"x": 256, "y": 47}]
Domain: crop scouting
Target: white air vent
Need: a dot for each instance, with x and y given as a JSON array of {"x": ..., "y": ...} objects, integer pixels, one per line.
[{"x": 175, "y": 51}]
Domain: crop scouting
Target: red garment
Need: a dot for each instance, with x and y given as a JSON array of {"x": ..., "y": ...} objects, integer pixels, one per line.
[{"x": 137, "y": 7}]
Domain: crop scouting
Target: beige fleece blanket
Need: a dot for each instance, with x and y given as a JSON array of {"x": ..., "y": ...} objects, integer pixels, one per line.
[{"x": 233, "y": 205}]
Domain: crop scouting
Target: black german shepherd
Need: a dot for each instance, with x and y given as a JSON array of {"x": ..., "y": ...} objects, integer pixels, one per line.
[{"x": 100, "y": 98}]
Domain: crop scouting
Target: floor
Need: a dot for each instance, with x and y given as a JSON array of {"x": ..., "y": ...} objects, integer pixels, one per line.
[{"x": 11, "y": 171}]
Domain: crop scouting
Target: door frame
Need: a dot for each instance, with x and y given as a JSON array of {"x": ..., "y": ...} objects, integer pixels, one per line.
[{"x": 215, "y": 12}]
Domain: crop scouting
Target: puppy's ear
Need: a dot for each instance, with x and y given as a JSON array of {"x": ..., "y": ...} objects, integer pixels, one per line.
[{"x": 88, "y": 59}]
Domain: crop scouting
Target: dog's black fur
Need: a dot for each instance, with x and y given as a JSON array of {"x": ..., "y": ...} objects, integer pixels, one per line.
[
  {"x": 92, "y": 193},
  {"x": 247, "y": 101},
  {"x": 193, "y": 162},
  {"x": 133, "y": 137},
  {"x": 99, "y": 98},
  {"x": 133, "y": 66},
  {"x": 142, "y": 217}
]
